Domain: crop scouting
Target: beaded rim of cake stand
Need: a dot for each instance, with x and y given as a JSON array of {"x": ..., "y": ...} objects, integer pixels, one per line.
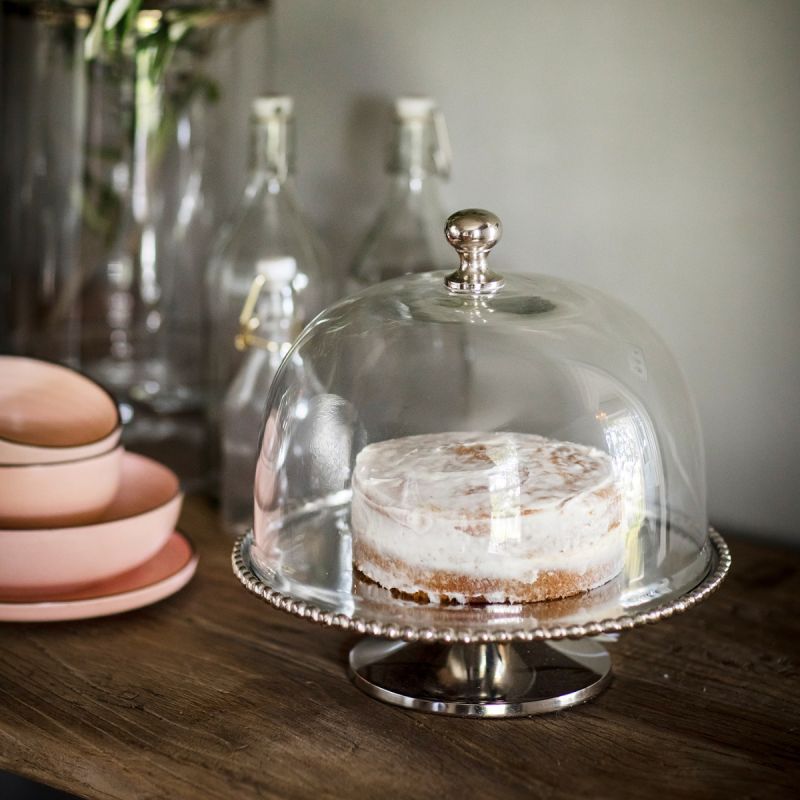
[{"x": 305, "y": 610}]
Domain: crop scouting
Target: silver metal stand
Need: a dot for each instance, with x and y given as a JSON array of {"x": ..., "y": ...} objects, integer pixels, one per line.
[
  {"x": 510, "y": 679},
  {"x": 470, "y": 662}
]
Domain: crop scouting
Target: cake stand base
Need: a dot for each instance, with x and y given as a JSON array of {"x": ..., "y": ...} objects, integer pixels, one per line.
[{"x": 513, "y": 679}]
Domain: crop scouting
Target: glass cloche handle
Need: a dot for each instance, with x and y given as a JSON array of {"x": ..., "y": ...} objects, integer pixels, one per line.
[{"x": 473, "y": 232}]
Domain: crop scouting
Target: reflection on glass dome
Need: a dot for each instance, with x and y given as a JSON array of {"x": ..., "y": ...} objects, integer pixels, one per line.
[{"x": 437, "y": 443}]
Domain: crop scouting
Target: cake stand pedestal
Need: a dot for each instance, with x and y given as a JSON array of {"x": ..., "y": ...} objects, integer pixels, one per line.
[
  {"x": 481, "y": 680},
  {"x": 467, "y": 662}
]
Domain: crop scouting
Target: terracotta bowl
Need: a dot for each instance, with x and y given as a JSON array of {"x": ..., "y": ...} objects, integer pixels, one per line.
[
  {"x": 66, "y": 493},
  {"x": 49, "y": 413},
  {"x": 133, "y": 528}
]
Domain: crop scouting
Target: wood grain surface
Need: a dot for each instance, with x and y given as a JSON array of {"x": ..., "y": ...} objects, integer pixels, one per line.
[{"x": 212, "y": 694}]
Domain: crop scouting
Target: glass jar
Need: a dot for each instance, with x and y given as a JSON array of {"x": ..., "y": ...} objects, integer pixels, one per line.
[{"x": 110, "y": 129}]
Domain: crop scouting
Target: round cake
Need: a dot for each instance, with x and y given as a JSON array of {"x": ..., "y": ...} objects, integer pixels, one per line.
[{"x": 460, "y": 518}]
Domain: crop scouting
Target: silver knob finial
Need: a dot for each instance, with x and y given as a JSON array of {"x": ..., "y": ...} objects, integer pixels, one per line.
[{"x": 473, "y": 232}]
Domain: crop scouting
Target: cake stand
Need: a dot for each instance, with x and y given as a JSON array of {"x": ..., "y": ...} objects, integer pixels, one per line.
[
  {"x": 478, "y": 351},
  {"x": 485, "y": 661}
]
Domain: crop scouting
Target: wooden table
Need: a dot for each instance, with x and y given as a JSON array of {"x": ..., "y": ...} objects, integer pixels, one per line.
[{"x": 212, "y": 694}]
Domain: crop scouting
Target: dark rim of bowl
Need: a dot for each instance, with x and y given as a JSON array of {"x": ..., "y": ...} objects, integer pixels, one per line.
[{"x": 117, "y": 446}]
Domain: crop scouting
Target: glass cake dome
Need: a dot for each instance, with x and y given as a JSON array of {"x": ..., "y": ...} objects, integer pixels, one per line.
[{"x": 479, "y": 451}]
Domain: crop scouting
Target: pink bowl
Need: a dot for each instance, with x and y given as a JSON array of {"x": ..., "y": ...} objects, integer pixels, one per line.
[
  {"x": 49, "y": 413},
  {"x": 133, "y": 528},
  {"x": 67, "y": 493}
]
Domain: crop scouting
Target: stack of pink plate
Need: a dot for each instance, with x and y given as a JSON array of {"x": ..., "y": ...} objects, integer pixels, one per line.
[{"x": 86, "y": 529}]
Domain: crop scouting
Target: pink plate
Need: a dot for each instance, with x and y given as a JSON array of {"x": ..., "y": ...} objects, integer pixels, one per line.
[{"x": 163, "y": 575}]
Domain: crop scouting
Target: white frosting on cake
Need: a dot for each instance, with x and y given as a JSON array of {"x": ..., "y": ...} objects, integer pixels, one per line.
[{"x": 487, "y": 506}]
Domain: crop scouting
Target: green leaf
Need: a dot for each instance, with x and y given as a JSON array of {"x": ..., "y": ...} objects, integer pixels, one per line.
[
  {"x": 116, "y": 12},
  {"x": 93, "y": 43}
]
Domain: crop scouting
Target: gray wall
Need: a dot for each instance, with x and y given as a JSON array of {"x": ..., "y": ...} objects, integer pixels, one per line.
[{"x": 646, "y": 148}]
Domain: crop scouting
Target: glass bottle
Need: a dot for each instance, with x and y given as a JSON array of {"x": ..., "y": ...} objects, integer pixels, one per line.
[
  {"x": 406, "y": 237},
  {"x": 267, "y": 327},
  {"x": 268, "y": 226},
  {"x": 407, "y": 233}
]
